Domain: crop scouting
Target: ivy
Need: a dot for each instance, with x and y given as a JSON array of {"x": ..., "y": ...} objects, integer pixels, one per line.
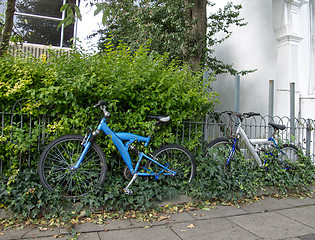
[{"x": 24, "y": 195}]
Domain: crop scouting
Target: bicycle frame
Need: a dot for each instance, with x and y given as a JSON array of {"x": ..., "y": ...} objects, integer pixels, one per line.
[
  {"x": 118, "y": 139},
  {"x": 250, "y": 143}
]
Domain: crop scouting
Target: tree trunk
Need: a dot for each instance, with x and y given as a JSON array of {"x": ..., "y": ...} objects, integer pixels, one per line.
[
  {"x": 8, "y": 25},
  {"x": 196, "y": 37}
]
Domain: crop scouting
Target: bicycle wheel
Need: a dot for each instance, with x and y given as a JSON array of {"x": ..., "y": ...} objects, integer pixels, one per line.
[
  {"x": 288, "y": 155},
  {"x": 178, "y": 159},
  {"x": 60, "y": 155},
  {"x": 219, "y": 151}
]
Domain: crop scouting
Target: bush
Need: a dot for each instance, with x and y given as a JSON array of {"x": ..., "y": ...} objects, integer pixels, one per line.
[{"x": 65, "y": 87}]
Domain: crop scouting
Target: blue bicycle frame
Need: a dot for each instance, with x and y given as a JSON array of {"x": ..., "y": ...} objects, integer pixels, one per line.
[{"x": 118, "y": 139}]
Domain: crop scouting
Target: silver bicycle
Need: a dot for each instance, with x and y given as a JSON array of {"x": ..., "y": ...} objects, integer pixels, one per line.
[{"x": 223, "y": 150}]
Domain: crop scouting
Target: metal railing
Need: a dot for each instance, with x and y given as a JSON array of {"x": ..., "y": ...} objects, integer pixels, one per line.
[
  {"x": 14, "y": 125},
  {"x": 24, "y": 133},
  {"x": 216, "y": 124}
]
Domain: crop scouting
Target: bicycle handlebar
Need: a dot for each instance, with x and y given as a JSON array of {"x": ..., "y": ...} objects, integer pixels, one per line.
[{"x": 240, "y": 115}]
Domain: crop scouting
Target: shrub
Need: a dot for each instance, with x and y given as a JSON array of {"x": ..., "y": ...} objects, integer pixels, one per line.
[{"x": 65, "y": 87}]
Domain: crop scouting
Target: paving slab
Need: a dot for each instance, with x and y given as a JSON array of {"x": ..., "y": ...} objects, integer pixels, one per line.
[
  {"x": 14, "y": 233},
  {"x": 5, "y": 214},
  {"x": 305, "y": 215},
  {"x": 180, "y": 217},
  {"x": 118, "y": 224},
  {"x": 155, "y": 232},
  {"x": 220, "y": 228},
  {"x": 265, "y": 205},
  {"x": 89, "y": 227},
  {"x": 217, "y": 212},
  {"x": 166, "y": 219},
  {"x": 295, "y": 202},
  {"x": 89, "y": 236},
  {"x": 272, "y": 225},
  {"x": 36, "y": 232},
  {"x": 307, "y": 237}
]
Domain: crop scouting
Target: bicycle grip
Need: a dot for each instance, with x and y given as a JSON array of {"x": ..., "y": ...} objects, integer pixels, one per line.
[{"x": 100, "y": 103}]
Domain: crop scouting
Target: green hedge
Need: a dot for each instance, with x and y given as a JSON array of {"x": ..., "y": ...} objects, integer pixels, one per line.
[{"x": 66, "y": 86}]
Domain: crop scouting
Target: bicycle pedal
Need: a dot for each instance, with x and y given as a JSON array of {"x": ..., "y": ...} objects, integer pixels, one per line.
[{"x": 128, "y": 191}]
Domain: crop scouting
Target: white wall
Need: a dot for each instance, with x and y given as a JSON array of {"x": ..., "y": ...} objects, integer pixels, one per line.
[
  {"x": 279, "y": 42},
  {"x": 250, "y": 47}
]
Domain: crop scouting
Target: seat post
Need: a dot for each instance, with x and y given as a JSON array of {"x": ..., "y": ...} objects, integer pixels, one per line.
[{"x": 274, "y": 132}]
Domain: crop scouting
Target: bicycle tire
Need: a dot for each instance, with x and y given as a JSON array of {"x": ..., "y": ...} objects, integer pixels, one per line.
[
  {"x": 288, "y": 155},
  {"x": 60, "y": 155},
  {"x": 218, "y": 151},
  {"x": 179, "y": 159}
]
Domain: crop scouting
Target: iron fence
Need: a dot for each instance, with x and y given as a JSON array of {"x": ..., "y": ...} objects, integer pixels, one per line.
[
  {"x": 16, "y": 125},
  {"x": 217, "y": 124}
]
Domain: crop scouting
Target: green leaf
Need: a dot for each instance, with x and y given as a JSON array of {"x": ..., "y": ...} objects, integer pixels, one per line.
[
  {"x": 78, "y": 12},
  {"x": 99, "y": 8},
  {"x": 64, "y": 7}
]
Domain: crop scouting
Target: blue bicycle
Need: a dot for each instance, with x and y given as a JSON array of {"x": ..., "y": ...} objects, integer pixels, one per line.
[{"x": 74, "y": 164}]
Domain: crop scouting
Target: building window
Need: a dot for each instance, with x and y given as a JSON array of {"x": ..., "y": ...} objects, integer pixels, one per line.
[{"x": 37, "y": 21}]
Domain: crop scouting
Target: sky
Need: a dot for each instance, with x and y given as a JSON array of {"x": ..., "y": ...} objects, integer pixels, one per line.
[{"x": 89, "y": 25}]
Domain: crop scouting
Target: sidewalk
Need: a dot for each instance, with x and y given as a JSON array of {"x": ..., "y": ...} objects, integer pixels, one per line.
[{"x": 270, "y": 218}]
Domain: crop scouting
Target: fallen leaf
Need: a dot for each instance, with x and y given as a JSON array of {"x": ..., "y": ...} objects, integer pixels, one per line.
[
  {"x": 206, "y": 209},
  {"x": 191, "y": 226},
  {"x": 163, "y": 218}
]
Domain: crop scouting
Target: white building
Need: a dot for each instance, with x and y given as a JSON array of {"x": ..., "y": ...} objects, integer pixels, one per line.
[{"x": 278, "y": 41}]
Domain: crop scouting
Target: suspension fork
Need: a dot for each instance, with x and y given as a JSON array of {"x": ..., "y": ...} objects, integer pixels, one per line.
[
  {"x": 87, "y": 144},
  {"x": 232, "y": 152}
]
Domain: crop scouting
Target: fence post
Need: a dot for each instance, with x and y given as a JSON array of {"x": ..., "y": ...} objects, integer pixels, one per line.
[
  {"x": 271, "y": 104},
  {"x": 271, "y": 97},
  {"x": 205, "y": 130},
  {"x": 292, "y": 108},
  {"x": 206, "y": 135},
  {"x": 237, "y": 93},
  {"x": 308, "y": 137}
]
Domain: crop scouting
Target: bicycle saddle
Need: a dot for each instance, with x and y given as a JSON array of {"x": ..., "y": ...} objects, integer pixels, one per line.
[
  {"x": 160, "y": 118},
  {"x": 277, "y": 126}
]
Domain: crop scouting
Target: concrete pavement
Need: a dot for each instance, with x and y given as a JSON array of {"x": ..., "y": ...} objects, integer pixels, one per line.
[{"x": 269, "y": 218}]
